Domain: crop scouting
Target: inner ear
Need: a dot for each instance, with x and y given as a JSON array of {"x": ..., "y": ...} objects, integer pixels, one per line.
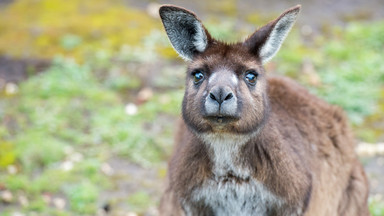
[
  {"x": 267, "y": 40},
  {"x": 185, "y": 31}
]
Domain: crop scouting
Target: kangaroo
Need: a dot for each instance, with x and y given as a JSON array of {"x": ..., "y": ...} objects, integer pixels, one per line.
[{"x": 250, "y": 144}]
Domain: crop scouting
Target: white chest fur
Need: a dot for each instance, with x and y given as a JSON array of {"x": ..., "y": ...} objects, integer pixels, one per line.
[
  {"x": 224, "y": 151},
  {"x": 233, "y": 191},
  {"x": 242, "y": 199}
]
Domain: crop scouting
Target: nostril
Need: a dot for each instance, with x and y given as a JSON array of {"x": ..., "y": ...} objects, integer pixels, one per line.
[
  {"x": 229, "y": 96},
  {"x": 212, "y": 96}
]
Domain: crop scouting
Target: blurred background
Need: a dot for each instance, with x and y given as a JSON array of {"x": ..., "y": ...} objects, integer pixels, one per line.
[{"x": 90, "y": 91}]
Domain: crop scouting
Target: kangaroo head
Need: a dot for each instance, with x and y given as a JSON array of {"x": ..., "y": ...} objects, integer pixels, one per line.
[{"x": 225, "y": 83}]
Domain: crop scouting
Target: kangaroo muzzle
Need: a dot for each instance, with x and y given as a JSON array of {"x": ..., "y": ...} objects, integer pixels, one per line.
[{"x": 221, "y": 102}]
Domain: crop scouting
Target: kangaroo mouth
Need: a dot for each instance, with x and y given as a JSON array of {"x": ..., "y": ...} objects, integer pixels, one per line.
[{"x": 221, "y": 119}]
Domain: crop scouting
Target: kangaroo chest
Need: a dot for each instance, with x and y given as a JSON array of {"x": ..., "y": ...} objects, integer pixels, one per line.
[
  {"x": 232, "y": 197},
  {"x": 231, "y": 190}
]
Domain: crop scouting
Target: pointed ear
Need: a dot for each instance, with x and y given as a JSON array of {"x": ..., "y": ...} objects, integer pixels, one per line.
[
  {"x": 266, "y": 41},
  {"x": 185, "y": 31}
]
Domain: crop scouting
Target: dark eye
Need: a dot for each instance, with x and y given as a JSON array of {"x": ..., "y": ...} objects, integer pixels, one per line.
[
  {"x": 251, "y": 76},
  {"x": 198, "y": 76}
]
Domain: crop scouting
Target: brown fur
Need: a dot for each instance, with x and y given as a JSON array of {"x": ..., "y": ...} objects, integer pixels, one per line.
[{"x": 303, "y": 151}]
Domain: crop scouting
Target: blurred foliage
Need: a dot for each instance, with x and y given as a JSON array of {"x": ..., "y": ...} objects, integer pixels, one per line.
[
  {"x": 76, "y": 28},
  {"x": 223, "y": 30},
  {"x": 349, "y": 67},
  {"x": 139, "y": 201},
  {"x": 7, "y": 155},
  {"x": 227, "y": 7},
  {"x": 67, "y": 111},
  {"x": 82, "y": 197},
  {"x": 376, "y": 205},
  {"x": 66, "y": 106}
]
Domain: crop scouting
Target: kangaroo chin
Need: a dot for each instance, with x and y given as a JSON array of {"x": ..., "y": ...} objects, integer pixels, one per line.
[{"x": 251, "y": 144}]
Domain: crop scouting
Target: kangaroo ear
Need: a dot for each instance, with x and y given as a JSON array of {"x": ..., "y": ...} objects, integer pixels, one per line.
[
  {"x": 185, "y": 31},
  {"x": 266, "y": 41}
]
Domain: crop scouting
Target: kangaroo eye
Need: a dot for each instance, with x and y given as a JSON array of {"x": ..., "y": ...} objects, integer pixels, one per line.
[
  {"x": 251, "y": 76},
  {"x": 198, "y": 76}
]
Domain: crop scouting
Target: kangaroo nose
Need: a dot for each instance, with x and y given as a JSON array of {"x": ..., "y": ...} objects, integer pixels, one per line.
[{"x": 221, "y": 94}]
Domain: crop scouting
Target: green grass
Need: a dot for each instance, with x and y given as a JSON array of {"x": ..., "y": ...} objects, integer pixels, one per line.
[
  {"x": 376, "y": 205},
  {"x": 66, "y": 111},
  {"x": 139, "y": 201}
]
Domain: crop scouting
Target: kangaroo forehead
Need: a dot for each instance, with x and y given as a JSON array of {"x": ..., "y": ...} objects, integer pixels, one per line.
[{"x": 227, "y": 55}]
